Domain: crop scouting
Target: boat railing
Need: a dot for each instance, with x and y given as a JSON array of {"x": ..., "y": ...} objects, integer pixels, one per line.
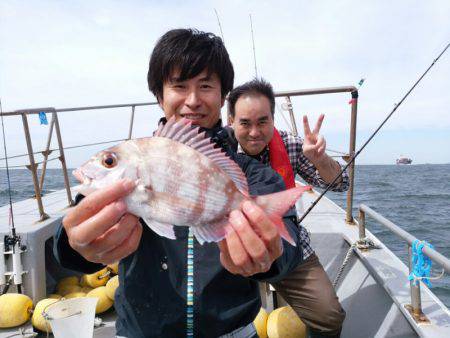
[
  {"x": 352, "y": 144},
  {"x": 54, "y": 124},
  {"x": 38, "y": 182},
  {"x": 415, "y": 308}
]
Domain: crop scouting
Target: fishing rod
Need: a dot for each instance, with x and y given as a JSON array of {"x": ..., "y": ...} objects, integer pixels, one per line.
[
  {"x": 352, "y": 159},
  {"x": 253, "y": 42},
  {"x": 13, "y": 229},
  {"x": 10, "y": 241},
  {"x": 220, "y": 26}
]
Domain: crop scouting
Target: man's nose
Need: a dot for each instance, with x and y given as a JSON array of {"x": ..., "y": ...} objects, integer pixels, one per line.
[
  {"x": 193, "y": 99},
  {"x": 254, "y": 131}
]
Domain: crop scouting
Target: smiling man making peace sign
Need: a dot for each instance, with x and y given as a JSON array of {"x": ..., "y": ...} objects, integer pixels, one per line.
[{"x": 307, "y": 289}]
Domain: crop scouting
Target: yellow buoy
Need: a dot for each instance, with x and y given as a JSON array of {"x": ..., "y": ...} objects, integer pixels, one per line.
[
  {"x": 54, "y": 296},
  {"x": 111, "y": 287},
  {"x": 114, "y": 267},
  {"x": 68, "y": 288},
  {"x": 72, "y": 280},
  {"x": 38, "y": 320},
  {"x": 260, "y": 323},
  {"x": 75, "y": 295},
  {"x": 104, "y": 302},
  {"x": 15, "y": 309},
  {"x": 86, "y": 289},
  {"x": 99, "y": 278},
  {"x": 284, "y": 323}
]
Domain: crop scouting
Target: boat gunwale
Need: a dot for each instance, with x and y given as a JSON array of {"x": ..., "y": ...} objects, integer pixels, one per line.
[{"x": 372, "y": 260}]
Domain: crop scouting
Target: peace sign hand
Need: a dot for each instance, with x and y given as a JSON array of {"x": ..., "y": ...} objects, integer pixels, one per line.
[{"x": 314, "y": 144}]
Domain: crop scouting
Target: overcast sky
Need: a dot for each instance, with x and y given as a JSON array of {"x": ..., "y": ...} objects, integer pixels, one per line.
[{"x": 84, "y": 53}]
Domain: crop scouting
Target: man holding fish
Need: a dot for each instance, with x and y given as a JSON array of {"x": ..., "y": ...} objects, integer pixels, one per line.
[
  {"x": 251, "y": 108},
  {"x": 147, "y": 200}
]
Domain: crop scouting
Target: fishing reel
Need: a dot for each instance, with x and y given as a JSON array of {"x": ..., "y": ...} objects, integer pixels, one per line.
[
  {"x": 13, "y": 247},
  {"x": 10, "y": 242}
]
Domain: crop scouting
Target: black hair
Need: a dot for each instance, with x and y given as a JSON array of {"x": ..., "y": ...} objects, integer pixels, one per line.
[
  {"x": 256, "y": 86},
  {"x": 191, "y": 51}
]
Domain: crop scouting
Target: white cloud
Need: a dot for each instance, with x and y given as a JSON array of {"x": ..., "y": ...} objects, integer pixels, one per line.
[{"x": 79, "y": 53}]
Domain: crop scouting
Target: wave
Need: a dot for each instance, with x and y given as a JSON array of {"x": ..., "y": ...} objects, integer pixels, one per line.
[
  {"x": 444, "y": 196},
  {"x": 6, "y": 192}
]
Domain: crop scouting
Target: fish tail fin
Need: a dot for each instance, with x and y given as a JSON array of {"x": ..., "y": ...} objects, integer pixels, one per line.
[{"x": 276, "y": 205}]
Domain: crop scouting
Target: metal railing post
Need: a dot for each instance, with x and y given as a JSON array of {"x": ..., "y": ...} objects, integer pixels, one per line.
[
  {"x": 33, "y": 168},
  {"x": 362, "y": 224},
  {"x": 291, "y": 115},
  {"x": 416, "y": 302},
  {"x": 63, "y": 160},
  {"x": 351, "y": 168},
  {"x": 46, "y": 153},
  {"x": 130, "y": 131},
  {"x": 415, "y": 308}
]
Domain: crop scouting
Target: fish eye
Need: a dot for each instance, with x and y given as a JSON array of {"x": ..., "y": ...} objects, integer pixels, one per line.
[{"x": 109, "y": 160}]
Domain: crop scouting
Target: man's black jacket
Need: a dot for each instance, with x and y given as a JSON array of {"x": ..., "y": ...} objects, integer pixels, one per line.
[{"x": 151, "y": 298}]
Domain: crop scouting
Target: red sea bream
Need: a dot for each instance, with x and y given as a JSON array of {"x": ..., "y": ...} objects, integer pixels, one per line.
[{"x": 182, "y": 180}]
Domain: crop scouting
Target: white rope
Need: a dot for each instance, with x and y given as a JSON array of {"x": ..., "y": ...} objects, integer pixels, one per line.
[
  {"x": 23, "y": 333},
  {"x": 284, "y": 117},
  {"x": 337, "y": 151},
  {"x": 416, "y": 278},
  {"x": 362, "y": 244},
  {"x": 344, "y": 264}
]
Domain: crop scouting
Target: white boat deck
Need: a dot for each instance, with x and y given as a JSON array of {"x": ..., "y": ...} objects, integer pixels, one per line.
[{"x": 26, "y": 213}]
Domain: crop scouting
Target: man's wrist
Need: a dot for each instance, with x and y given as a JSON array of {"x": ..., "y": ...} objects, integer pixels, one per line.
[
  {"x": 322, "y": 163},
  {"x": 328, "y": 169}
]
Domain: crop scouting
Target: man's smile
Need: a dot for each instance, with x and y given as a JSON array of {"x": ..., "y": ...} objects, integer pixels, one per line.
[
  {"x": 193, "y": 116},
  {"x": 255, "y": 141}
]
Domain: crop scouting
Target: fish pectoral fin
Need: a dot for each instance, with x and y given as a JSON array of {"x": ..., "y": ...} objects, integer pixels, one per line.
[
  {"x": 213, "y": 232},
  {"x": 162, "y": 229}
]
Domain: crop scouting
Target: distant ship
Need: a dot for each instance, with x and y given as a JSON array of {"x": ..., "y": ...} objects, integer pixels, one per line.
[{"x": 403, "y": 160}]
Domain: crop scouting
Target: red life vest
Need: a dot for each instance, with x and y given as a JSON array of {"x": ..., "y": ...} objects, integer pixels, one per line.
[{"x": 279, "y": 159}]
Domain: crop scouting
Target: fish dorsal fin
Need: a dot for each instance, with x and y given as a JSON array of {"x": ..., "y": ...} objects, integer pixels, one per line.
[{"x": 184, "y": 132}]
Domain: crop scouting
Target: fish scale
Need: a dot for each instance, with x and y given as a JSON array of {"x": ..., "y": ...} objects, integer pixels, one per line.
[{"x": 185, "y": 191}]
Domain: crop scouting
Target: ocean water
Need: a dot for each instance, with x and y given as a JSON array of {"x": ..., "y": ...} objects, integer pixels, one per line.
[{"x": 415, "y": 197}]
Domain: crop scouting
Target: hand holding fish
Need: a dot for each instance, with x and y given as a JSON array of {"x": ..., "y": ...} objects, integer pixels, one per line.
[
  {"x": 99, "y": 227},
  {"x": 181, "y": 179},
  {"x": 313, "y": 143},
  {"x": 254, "y": 244}
]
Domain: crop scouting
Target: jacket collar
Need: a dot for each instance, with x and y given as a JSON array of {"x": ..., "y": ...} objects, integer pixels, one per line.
[{"x": 209, "y": 131}]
